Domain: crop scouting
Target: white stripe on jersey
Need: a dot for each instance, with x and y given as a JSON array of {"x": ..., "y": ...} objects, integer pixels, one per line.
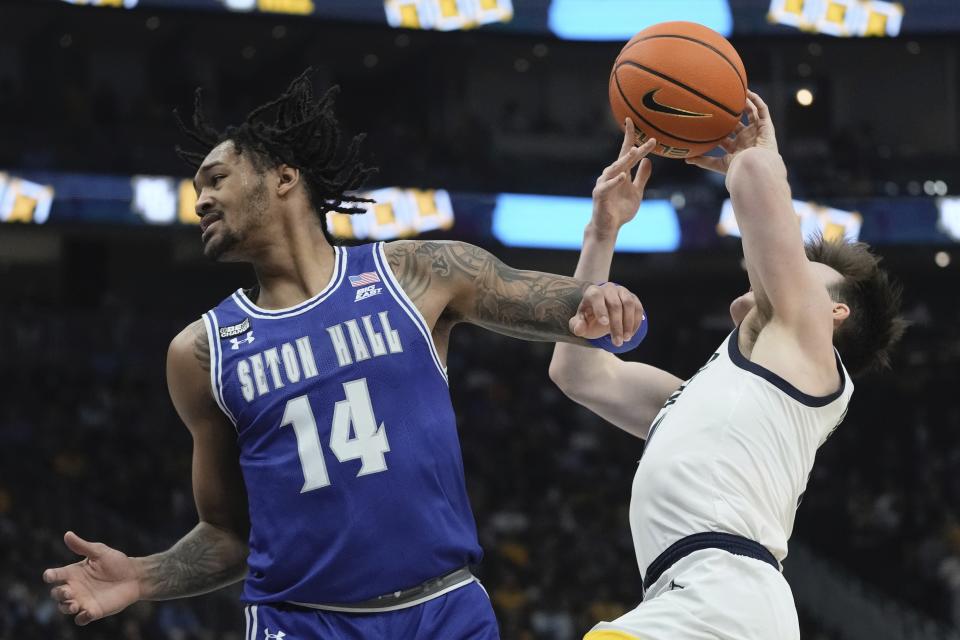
[
  {"x": 396, "y": 290},
  {"x": 216, "y": 363},
  {"x": 336, "y": 277}
]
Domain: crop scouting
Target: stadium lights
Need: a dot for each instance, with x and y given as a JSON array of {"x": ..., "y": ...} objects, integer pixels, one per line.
[
  {"x": 942, "y": 258},
  {"x": 23, "y": 200},
  {"x": 442, "y": 15},
  {"x": 841, "y": 18},
  {"x": 949, "y": 220},
  {"x": 815, "y": 219},
  {"x": 805, "y": 97},
  {"x": 127, "y": 4}
]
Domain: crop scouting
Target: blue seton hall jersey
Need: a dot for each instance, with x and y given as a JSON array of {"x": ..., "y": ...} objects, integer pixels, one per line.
[{"x": 347, "y": 438}]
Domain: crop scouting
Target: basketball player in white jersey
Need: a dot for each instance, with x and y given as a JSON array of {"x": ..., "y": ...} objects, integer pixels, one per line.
[{"x": 729, "y": 451}]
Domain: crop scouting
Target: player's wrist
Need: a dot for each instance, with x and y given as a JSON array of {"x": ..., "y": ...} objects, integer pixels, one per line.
[
  {"x": 600, "y": 233},
  {"x": 752, "y": 165},
  {"x": 145, "y": 588}
]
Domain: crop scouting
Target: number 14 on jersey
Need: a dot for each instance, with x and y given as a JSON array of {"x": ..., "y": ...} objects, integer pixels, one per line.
[{"x": 367, "y": 444}]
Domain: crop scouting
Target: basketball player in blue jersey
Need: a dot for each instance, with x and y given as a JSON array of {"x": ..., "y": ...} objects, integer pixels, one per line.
[
  {"x": 729, "y": 451},
  {"x": 326, "y": 465}
]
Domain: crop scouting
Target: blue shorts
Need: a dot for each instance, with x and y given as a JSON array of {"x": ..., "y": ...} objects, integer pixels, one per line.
[{"x": 462, "y": 614}]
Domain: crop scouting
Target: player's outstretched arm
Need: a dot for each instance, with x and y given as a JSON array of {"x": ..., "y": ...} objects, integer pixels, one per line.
[
  {"x": 781, "y": 275},
  {"x": 460, "y": 282},
  {"x": 213, "y": 554},
  {"x": 626, "y": 394}
]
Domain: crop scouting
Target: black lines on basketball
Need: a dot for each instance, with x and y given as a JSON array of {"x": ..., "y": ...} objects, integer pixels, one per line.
[
  {"x": 658, "y": 129},
  {"x": 676, "y": 82},
  {"x": 743, "y": 81},
  {"x": 682, "y": 83}
]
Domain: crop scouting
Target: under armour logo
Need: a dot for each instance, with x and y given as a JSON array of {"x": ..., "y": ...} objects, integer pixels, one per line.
[
  {"x": 235, "y": 342},
  {"x": 279, "y": 635}
]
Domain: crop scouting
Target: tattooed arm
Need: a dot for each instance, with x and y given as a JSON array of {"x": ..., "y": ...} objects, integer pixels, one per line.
[
  {"x": 467, "y": 284},
  {"x": 214, "y": 553}
]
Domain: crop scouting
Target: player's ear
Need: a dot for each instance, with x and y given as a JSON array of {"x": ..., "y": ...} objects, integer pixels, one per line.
[
  {"x": 289, "y": 179},
  {"x": 840, "y": 313}
]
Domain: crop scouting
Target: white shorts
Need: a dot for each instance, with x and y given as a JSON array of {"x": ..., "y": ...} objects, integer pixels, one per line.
[{"x": 710, "y": 595}]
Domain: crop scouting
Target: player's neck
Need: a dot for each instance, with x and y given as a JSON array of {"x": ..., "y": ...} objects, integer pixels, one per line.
[{"x": 295, "y": 266}]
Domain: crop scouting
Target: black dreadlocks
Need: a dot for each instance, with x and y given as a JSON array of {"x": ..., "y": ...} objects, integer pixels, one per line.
[{"x": 302, "y": 133}]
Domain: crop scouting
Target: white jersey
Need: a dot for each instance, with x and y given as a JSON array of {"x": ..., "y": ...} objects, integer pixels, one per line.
[{"x": 730, "y": 452}]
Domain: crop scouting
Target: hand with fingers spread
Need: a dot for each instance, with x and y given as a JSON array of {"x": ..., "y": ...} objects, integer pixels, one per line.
[
  {"x": 619, "y": 191},
  {"x": 757, "y": 133},
  {"x": 607, "y": 308},
  {"x": 105, "y": 582}
]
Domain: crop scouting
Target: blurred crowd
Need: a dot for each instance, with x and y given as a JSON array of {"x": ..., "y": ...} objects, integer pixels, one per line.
[{"x": 90, "y": 442}]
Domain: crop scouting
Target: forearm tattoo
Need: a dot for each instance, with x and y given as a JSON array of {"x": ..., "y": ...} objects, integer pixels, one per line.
[
  {"x": 525, "y": 304},
  {"x": 201, "y": 346},
  {"x": 205, "y": 559}
]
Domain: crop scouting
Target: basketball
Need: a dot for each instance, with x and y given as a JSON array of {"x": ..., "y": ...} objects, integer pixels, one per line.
[{"x": 680, "y": 83}]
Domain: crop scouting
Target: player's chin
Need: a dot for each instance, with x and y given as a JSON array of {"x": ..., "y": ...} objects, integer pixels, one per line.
[
  {"x": 739, "y": 309},
  {"x": 219, "y": 247}
]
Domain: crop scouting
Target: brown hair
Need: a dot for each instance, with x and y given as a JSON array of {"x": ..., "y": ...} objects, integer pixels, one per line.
[{"x": 867, "y": 336}]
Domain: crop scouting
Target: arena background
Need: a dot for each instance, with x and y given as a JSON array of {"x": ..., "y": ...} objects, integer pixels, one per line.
[{"x": 489, "y": 121}]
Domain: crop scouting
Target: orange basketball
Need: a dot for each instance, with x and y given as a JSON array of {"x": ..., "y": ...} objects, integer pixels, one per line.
[{"x": 680, "y": 83}]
